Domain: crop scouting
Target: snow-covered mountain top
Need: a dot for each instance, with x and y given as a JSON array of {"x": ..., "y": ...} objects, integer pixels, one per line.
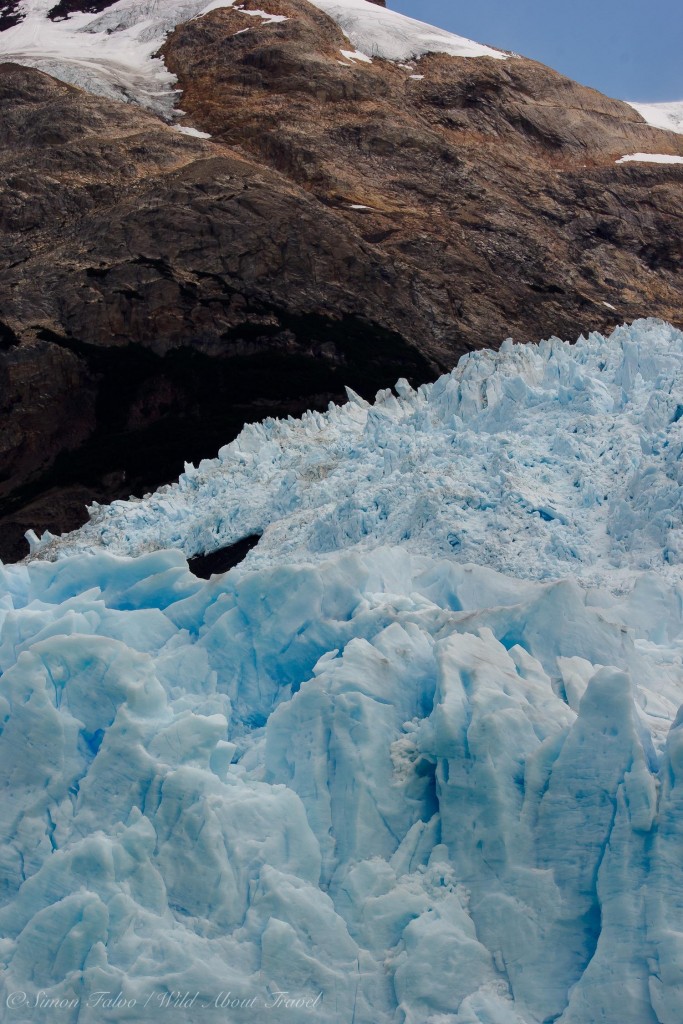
[
  {"x": 662, "y": 115},
  {"x": 539, "y": 461},
  {"x": 112, "y": 53},
  {"x": 380, "y": 32}
]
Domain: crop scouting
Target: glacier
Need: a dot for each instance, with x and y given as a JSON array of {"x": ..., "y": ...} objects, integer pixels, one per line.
[
  {"x": 541, "y": 461},
  {"x": 413, "y": 761}
]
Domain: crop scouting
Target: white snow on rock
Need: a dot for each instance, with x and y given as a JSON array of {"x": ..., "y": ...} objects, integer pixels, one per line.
[
  {"x": 542, "y": 461},
  {"x": 650, "y": 158},
  {"x": 359, "y": 768},
  {"x": 109, "y": 54},
  {"x": 356, "y": 55},
  {"x": 662, "y": 115},
  {"x": 268, "y": 19},
  {"x": 194, "y": 132},
  {"x": 380, "y": 32},
  {"x": 112, "y": 54}
]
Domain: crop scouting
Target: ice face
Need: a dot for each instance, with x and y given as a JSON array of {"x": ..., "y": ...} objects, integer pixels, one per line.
[
  {"x": 404, "y": 783},
  {"x": 360, "y": 777}
]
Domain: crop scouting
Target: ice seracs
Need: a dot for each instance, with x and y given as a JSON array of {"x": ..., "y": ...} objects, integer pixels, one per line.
[
  {"x": 360, "y": 768},
  {"x": 419, "y": 790},
  {"x": 541, "y": 461}
]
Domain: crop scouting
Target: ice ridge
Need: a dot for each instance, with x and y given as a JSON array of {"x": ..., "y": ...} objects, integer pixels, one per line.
[
  {"x": 431, "y": 793},
  {"x": 541, "y": 461},
  {"x": 360, "y": 778}
]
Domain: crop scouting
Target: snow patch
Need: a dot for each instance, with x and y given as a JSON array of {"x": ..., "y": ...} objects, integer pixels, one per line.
[
  {"x": 668, "y": 116},
  {"x": 194, "y": 132},
  {"x": 109, "y": 54},
  {"x": 383, "y": 33},
  {"x": 356, "y": 55},
  {"x": 269, "y": 19},
  {"x": 651, "y": 158}
]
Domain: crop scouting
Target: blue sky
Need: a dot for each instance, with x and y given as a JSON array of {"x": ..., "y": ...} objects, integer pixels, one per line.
[{"x": 631, "y": 49}]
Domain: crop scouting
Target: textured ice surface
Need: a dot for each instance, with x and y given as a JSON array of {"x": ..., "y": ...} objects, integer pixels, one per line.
[
  {"x": 355, "y": 768},
  {"x": 113, "y": 53},
  {"x": 428, "y": 791},
  {"x": 542, "y": 461}
]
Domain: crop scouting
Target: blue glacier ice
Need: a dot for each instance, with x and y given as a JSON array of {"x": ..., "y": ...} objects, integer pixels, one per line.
[{"x": 418, "y": 759}]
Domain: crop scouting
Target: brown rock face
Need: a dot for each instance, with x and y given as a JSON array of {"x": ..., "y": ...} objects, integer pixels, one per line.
[
  {"x": 346, "y": 224},
  {"x": 158, "y": 291},
  {"x": 497, "y": 178},
  {"x": 10, "y": 14},
  {"x": 64, "y": 8}
]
